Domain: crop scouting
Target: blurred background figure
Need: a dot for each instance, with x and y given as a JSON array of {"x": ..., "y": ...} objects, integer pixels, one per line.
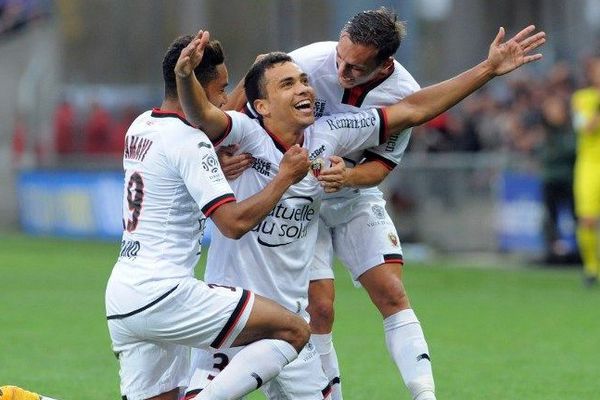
[
  {"x": 586, "y": 113},
  {"x": 65, "y": 129},
  {"x": 97, "y": 130},
  {"x": 557, "y": 155}
]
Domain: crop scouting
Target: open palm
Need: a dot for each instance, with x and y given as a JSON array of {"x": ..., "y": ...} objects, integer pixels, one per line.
[{"x": 507, "y": 56}]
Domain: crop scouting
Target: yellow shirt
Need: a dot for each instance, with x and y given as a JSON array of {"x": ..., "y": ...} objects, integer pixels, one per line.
[{"x": 585, "y": 103}]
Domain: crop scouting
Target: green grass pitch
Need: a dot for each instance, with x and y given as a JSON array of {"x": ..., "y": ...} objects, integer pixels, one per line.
[{"x": 494, "y": 333}]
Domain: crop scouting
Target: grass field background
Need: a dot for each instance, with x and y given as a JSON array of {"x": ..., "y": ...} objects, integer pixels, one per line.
[{"x": 499, "y": 332}]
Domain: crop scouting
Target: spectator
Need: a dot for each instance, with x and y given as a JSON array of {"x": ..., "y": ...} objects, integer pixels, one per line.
[
  {"x": 97, "y": 130},
  {"x": 64, "y": 128},
  {"x": 558, "y": 158}
]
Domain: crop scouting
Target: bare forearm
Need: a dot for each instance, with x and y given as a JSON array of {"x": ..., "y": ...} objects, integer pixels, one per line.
[
  {"x": 368, "y": 174},
  {"x": 198, "y": 110},
  {"x": 248, "y": 213},
  {"x": 431, "y": 101}
]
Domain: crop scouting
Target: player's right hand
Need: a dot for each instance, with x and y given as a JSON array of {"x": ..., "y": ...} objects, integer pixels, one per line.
[
  {"x": 191, "y": 55},
  {"x": 294, "y": 163},
  {"x": 233, "y": 165}
]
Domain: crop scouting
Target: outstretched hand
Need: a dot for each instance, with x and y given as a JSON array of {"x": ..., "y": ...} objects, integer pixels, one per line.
[
  {"x": 191, "y": 55},
  {"x": 504, "y": 57}
]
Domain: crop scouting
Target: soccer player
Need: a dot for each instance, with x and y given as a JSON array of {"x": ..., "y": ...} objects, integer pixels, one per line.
[
  {"x": 280, "y": 93},
  {"x": 359, "y": 72},
  {"x": 156, "y": 309},
  {"x": 586, "y": 118}
]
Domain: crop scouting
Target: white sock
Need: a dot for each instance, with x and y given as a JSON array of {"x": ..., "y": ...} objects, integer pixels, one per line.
[
  {"x": 407, "y": 346},
  {"x": 324, "y": 346},
  {"x": 254, "y": 365}
]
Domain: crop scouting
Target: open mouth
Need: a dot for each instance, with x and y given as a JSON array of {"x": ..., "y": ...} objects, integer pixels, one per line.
[{"x": 304, "y": 105}]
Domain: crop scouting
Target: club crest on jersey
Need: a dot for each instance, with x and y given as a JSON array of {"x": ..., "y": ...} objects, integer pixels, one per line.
[
  {"x": 316, "y": 166},
  {"x": 393, "y": 238}
]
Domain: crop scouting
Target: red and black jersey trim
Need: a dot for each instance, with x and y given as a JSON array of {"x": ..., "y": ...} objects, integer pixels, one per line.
[
  {"x": 222, "y": 137},
  {"x": 216, "y": 203},
  {"x": 393, "y": 258},
  {"x": 191, "y": 394},
  {"x": 158, "y": 113},
  {"x": 349, "y": 161},
  {"x": 327, "y": 391},
  {"x": 233, "y": 320},
  {"x": 147, "y": 306},
  {"x": 356, "y": 95},
  {"x": 370, "y": 156},
  {"x": 383, "y": 123}
]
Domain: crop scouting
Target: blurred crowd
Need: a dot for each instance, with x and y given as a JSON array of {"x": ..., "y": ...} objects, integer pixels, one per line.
[{"x": 516, "y": 114}]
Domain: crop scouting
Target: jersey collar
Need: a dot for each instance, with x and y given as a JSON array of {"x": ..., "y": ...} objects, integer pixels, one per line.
[
  {"x": 158, "y": 113},
  {"x": 356, "y": 95}
]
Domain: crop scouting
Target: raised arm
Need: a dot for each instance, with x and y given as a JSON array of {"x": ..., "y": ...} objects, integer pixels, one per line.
[
  {"x": 194, "y": 102},
  {"x": 427, "y": 103}
]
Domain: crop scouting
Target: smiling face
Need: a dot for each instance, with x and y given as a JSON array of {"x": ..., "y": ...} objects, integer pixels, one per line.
[
  {"x": 215, "y": 88},
  {"x": 289, "y": 101},
  {"x": 357, "y": 63}
]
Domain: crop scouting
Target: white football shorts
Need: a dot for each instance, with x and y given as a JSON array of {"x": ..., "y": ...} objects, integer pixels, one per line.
[
  {"x": 302, "y": 379},
  {"x": 153, "y": 343},
  {"x": 359, "y": 232}
]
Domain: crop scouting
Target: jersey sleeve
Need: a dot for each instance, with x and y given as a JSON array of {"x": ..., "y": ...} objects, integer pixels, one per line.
[
  {"x": 194, "y": 158},
  {"x": 390, "y": 153},
  {"x": 241, "y": 131},
  {"x": 354, "y": 131}
]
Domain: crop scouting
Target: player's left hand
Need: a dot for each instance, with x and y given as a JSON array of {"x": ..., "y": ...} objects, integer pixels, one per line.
[
  {"x": 335, "y": 177},
  {"x": 191, "y": 55},
  {"x": 504, "y": 57}
]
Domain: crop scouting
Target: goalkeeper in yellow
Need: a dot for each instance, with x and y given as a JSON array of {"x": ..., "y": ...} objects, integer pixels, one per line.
[{"x": 585, "y": 105}]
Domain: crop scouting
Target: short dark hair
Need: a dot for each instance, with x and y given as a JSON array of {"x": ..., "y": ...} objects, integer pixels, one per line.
[
  {"x": 379, "y": 28},
  {"x": 206, "y": 71},
  {"x": 254, "y": 82}
]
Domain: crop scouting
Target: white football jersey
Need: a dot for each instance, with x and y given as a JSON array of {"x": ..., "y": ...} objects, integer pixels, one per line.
[
  {"x": 318, "y": 60},
  {"x": 273, "y": 259},
  {"x": 173, "y": 182}
]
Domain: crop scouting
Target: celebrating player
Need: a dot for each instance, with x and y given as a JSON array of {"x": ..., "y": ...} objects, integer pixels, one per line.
[
  {"x": 155, "y": 307},
  {"x": 280, "y": 93},
  {"x": 359, "y": 72}
]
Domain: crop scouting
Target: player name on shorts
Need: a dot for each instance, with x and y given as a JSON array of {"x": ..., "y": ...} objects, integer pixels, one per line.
[
  {"x": 356, "y": 123},
  {"x": 136, "y": 148}
]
